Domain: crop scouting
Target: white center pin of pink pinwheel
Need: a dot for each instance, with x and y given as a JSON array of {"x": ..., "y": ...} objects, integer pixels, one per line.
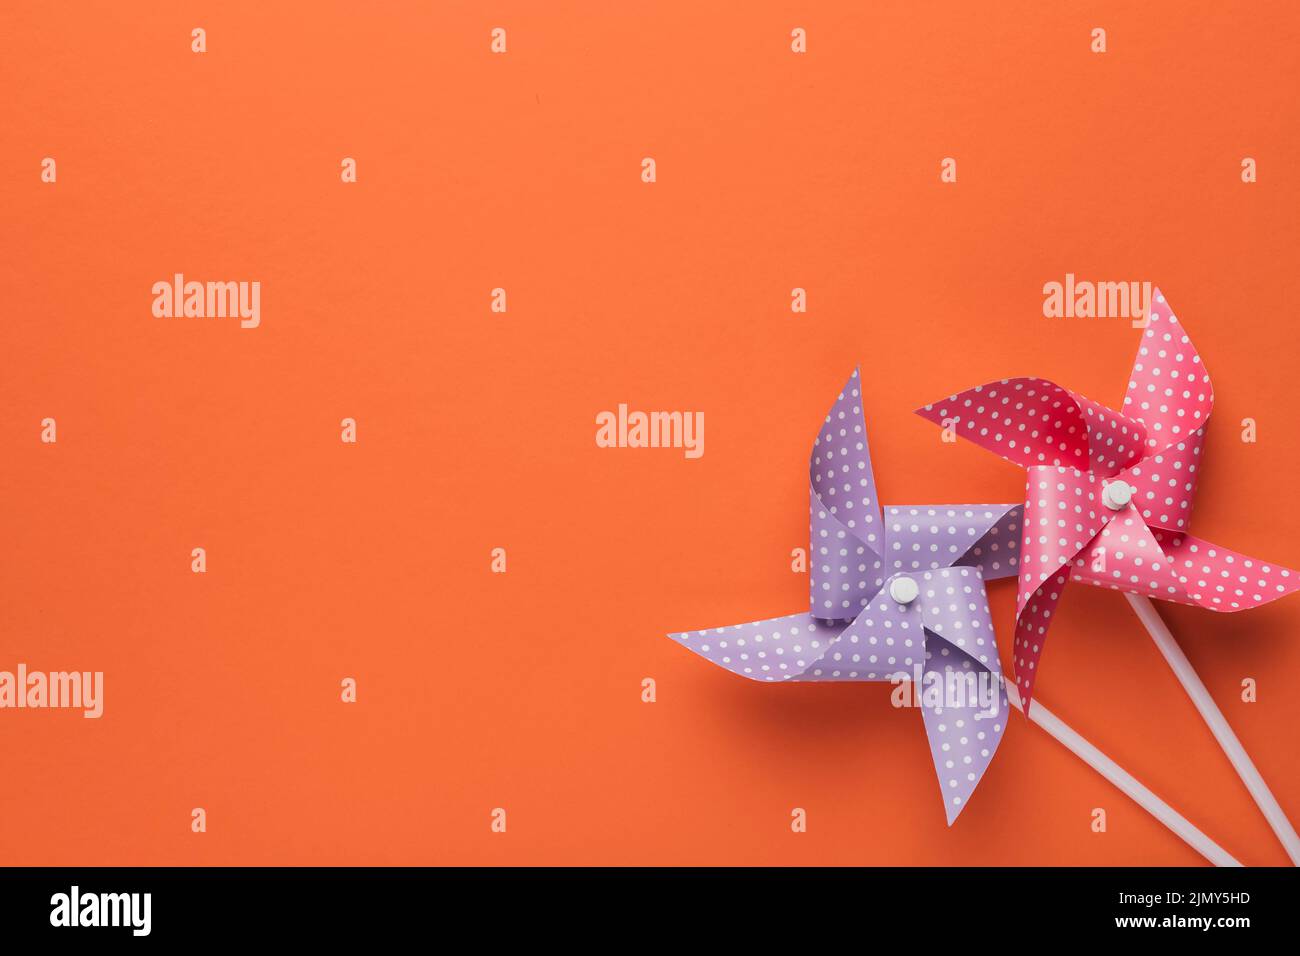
[
  {"x": 903, "y": 590},
  {"x": 1117, "y": 495}
]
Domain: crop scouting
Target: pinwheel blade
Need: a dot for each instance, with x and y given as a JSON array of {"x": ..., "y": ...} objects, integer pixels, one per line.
[
  {"x": 925, "y": 537},
  {"x": 1034, "y": 422},
  {"x": 1169, "y": 392},
  {"x": 845, "y": 564},
  {"x": 1170, "y": 566},
  {"x": 776, "y": 649},
  {"x": 963, "y": 699}
]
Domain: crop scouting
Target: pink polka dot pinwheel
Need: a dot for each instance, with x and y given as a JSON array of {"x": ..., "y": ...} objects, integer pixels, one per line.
[
  {"x": 1109, "y": 494},
  {"x": 1108, "y": 502}
]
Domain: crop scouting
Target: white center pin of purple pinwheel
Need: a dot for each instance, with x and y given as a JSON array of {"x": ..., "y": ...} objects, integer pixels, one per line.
[
  {"x": 903, "y": 590},
  {"x": 1117, "y": 495}
]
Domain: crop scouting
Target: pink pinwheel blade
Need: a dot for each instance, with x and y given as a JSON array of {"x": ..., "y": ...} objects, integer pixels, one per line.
[
  {"x": 1168, "y": 566},
  {"x": 1033, "y": 422},
  {"x": 1169, "y": 389},
  {"x": 1169, "y": 392}
]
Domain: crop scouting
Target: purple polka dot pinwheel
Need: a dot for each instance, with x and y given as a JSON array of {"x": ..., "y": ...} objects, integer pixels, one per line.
[{"x": 893, "y": 597}]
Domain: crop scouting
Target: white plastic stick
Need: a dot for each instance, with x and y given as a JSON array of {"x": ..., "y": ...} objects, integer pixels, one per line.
[
  {"x": 1123, "y": 780},
  {"x": 1211, "y": 714}
]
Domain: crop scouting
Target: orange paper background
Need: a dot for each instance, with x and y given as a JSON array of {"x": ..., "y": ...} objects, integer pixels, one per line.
[{"x": 476, "y": 430}]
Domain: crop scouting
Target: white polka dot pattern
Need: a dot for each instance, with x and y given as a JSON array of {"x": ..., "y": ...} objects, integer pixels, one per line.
[
  {"x": 963, "y": 730},
  {"x": 884, "y": 640},
  {"x": 924, "y": 537},
  {"x": 778, "y": 649},
  {"x": 845, "y": 568},
  {"x": 947, "y": 630},
  {"x": 1164, "y": 483},
  {"x": 1169, "y": 389},
  {"x": 1072, "y": 449},
  {"x": 1032, "y": 622},
  {"x": 1062, "y": 514},
  {"x": 1169, "y": 393},
  {"x": 1182, "y": 568},
  {"x": 1031, "y": 421}
]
